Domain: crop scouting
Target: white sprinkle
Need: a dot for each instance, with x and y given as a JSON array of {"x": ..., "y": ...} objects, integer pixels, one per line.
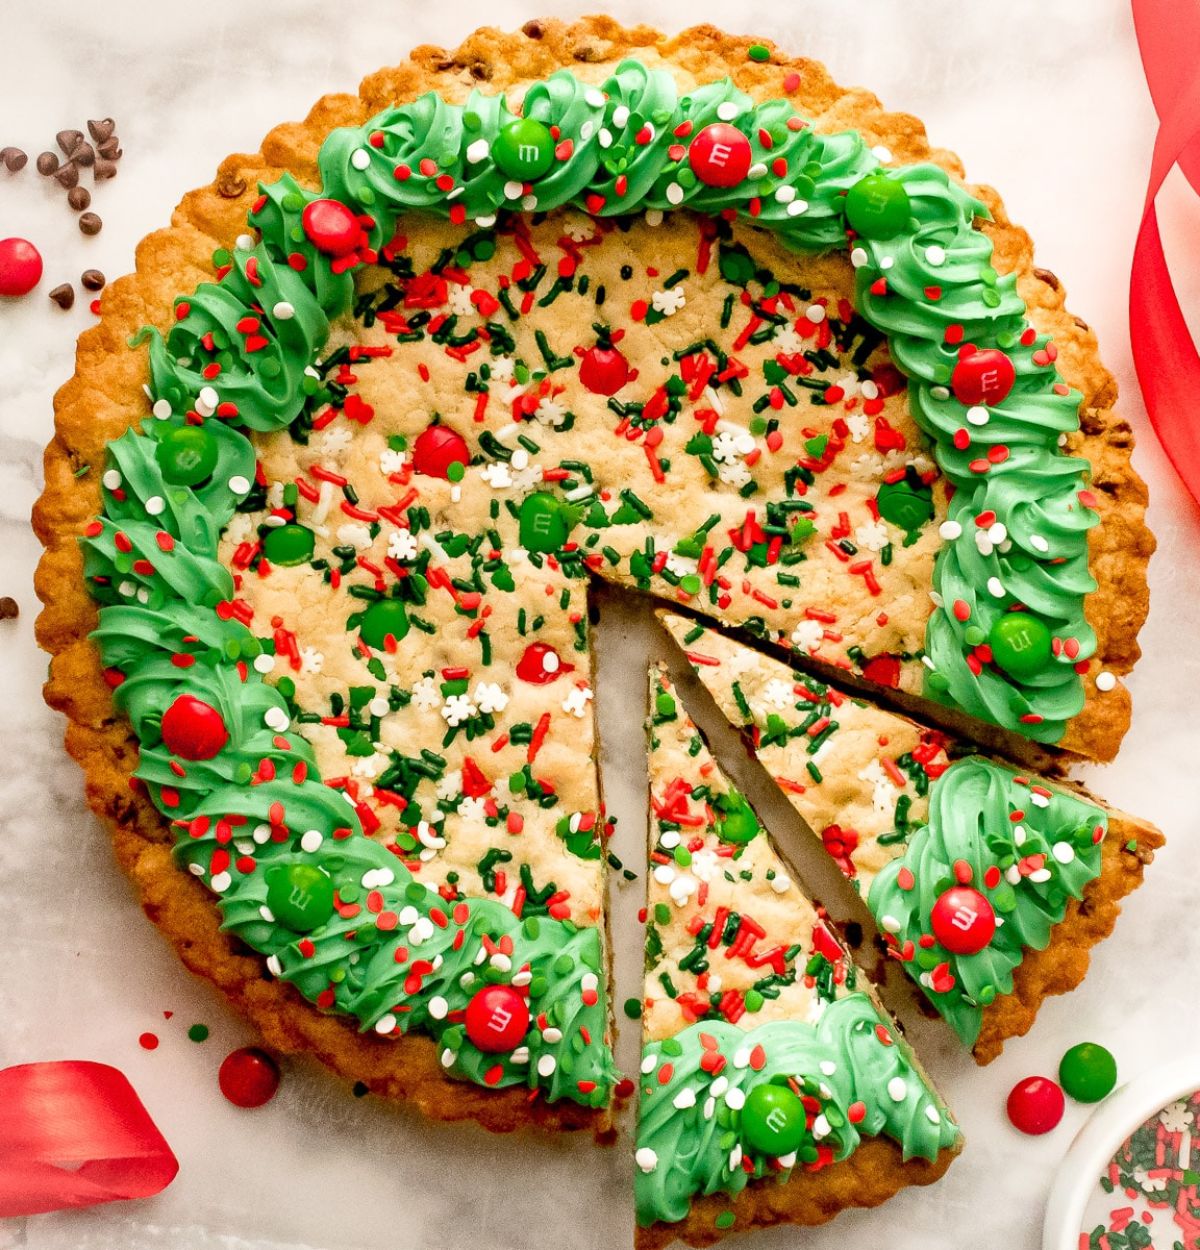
[
  {"x": 935, "y": 254},
  {"x": 360, "y": 158},
  {"x": 264, "y": 663},
  {"x": 620, "y": 116},
  {"x": 239, "y": 485},
  {"x": 727, "y": 111},
  {"x": 796, "y": 207},
  {"x": 478, "y": 151},
  {"x": 933, "y": 1115},
  {"x": 890, "y": 923},
  {"x": 977, "y": 415},
  {"x": 684, "y": 1099},
  {"x": 221, "y": 882},
  {"x": 781, "y": 883},
  {"x": 277, "y": 719},
  {"x": 546, "y": 1065},
  {"x": 379, "y": 706},
  {"x": 311, "y": 840},
  {"x": 385, "y": 1024},
  {"x": 897, "y": 1089},
  {"x": 882, "y": 155},
  {"x": 815, "y": 313},
  {"x": 605, "y": 137},
  {"x": 1041, "y": 876},
  {"x": 950, "y": 531},
  {"x": 1105, "y": 681},
  {"x": 995, "y": 587},
  {"x": 1039, "y": 800},
  {"x": 675, "y": 193},
  {"x": 785, "y": 194},
  {"x": 649, "y": 1063},
  {"x": 735, "y": 1100},
  {"x": 161, "y": 409},
  {"x": 1038, "y": 543},
  {"x": 244, "y": 242},
  {"x": 155, "y": 505},
  {"x": 111, "y": 480},
  {"x": 274, "y": 967},
  {"x": 594, "y": 97},
  {"x": 1064, "y": 852},
  {"x": 828, "y": 1067},
  {"x": 859, "y": 257},
  {"x": 438, "y": 1007},
  {"x": 821, "y": 1128},
  {"x": 448, "y": 1058},
  {"x": 646, "y": 1159},
  {"x": 757, "y": 170},
  {"x": 513, "y": 190},
  {"x": 283, "y": 311},
  {"x": 208, "y": 397}
]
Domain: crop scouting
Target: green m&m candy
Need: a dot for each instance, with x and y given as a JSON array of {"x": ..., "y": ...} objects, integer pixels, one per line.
[
  {"x": 877, "y": 207},
  {"x": 289, "y": 544},
  {"x": 384, "y": 617},
  {"x": 1088, "y": 1072},
  {"x": 774, "y": 1121},
  {"x": 524, "y": 149},
  {"x": 186, "y": 454},
  {"x": 904, "y": 504},
  {"x": 738, "y": 824},
  {"x": 1020, "y": 644},
  {"x": 300, "y": 896},
  {"x": 544, "y": 522}
]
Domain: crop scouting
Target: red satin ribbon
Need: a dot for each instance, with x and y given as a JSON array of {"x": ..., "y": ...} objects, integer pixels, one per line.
[
  {"x": 74, "y": 1134},
  {"x": 1164, "y": 353}
]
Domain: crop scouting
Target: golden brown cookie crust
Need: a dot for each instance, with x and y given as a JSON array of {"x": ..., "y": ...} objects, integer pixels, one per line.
[{"x": 104, "y": 398}]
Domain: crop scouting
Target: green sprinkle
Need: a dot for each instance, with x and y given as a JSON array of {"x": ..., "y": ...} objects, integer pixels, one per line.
[
  {"x": 198, "y": 1033},
  {"x": 633, "y": 1008}
]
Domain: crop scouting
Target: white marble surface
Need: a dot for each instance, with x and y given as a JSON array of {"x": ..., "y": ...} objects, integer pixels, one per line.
[{"x": 1044, "y": 100}]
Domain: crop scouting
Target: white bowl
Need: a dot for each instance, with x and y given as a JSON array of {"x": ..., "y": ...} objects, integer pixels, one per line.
[{"x": 1115, "y": 1119}]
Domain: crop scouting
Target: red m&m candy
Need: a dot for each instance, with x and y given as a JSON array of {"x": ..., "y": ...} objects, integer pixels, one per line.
[
  {"x": 1035, "y": 1105},
  {"x": 982, "y": 377},
  {"x": 720, "y": 155},
  {"x": 497, "y": 1018},
  {"x": 332, "y": 227},
  {"x": 438, "y": 448},
  {"x": 963, "y": 920},
  {"x": 603, "y": 370},
  {"x": 248, "y": 1077},
  {"x": 193, "y": 729},
  {"x": 20, "y": 266}
]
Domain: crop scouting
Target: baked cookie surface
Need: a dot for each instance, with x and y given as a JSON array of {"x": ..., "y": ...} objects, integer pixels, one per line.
[{"x": 290, "y": 732}]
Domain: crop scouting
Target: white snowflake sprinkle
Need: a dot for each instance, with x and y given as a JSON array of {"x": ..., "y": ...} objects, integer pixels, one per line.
[{"x": 402, "y": 545}]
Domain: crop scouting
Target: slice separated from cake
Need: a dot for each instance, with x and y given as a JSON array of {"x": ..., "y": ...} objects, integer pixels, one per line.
[
  {"x": 990, "y": 885},
  {"x": 774, "y": 1087}
]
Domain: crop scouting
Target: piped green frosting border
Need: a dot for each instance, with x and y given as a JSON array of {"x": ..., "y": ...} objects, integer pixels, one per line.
[{"x": 168, "y": 623}]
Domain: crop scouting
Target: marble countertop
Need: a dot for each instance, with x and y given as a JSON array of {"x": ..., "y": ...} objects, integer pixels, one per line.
[{"x": 1046, "y": 102}]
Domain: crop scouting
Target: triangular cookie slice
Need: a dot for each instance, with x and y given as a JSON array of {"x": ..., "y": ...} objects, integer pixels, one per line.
[
  {"x": 990, "y": 885},
  {"x": 774, "y": 1086}
]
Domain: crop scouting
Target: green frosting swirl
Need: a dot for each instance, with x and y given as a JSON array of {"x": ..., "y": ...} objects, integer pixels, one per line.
[
  {"x": 689, "y": 1139},
  {"x": 1044, "y": 859}
]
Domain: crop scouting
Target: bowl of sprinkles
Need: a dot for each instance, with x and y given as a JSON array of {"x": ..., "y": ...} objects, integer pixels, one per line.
[{"x": 1131, "y": 1179}]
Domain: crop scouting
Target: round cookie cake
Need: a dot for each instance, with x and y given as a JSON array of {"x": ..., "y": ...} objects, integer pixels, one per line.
[{"x": 343, "y": 456}]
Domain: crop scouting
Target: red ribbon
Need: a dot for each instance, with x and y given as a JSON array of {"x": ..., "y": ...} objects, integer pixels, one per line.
[
  {"x": 74, "y": 1134},
  {"x": 1164, "y": 354}
]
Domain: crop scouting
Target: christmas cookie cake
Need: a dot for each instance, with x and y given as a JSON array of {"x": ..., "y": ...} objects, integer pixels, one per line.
[
  {"x": 989, "y": 884},
  {"x": 774, "y": 1087},
  {"x": 342, "y": 457}
]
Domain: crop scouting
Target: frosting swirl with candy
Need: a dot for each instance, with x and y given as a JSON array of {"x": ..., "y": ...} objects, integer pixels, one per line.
[{"x": 170, "y": 623}]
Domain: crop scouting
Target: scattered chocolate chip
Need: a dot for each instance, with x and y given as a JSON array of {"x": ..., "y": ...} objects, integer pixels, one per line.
[
  {"x": 68, "y": 140},
  {"x": 84, "y": 154},
  {"x": 79, "y": 198},
  {"x": 8, "y": 609},
  {"x": 47, "y": 163},
  {"x": 67, "y": 175},
  {"x": 533, "y": 30},
  {"x": 230, "y": 184},
  {"x": 13, "y": 159},
  {"x": 104, "y": 168},
  {"x": 110, "y": 148},
  {"x": 101, "y": 128},
  {"x": 90, "y": 223},
  {"x": 91, "y": 280},
  {"x": 63, "y": 295}
]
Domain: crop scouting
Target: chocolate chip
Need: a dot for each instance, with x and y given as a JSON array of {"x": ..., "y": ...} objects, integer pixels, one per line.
[
  {"x": 84, "y": 154},
  {"x": 101, "y": 128},
  {"x": 63, "y": 295},
  {"x": 68, "y": 140},
  {"x": 104, "y": 168},
  {"x": 67, "y": 175},
  {"x": 79, "y": 198},
  {"x": 47, "y": 163},
  {"x": 230, "y": 184},
  {"x": 90, "y": 223},
  {"x": 8, "y": 609},
  {"x": 533, "y": 30},
  {"x": 110, "y": 148},
  {"x": 91, "y": 280},
  {"x": 13, "y": 159}
]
